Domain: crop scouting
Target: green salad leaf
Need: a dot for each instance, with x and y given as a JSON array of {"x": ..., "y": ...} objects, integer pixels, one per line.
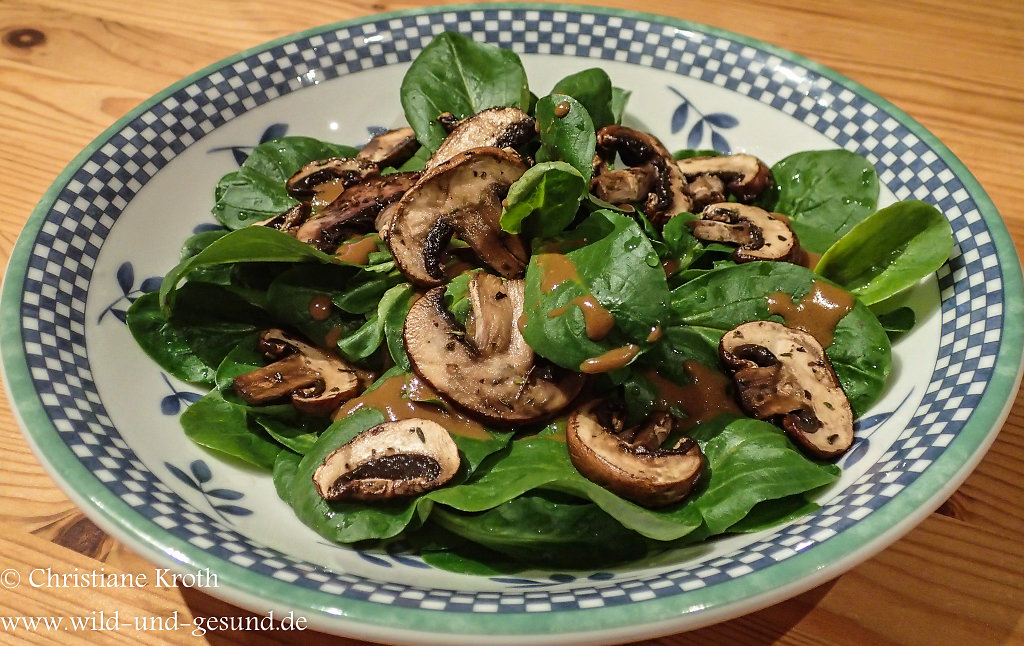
[
  {"x": 456, "y": 74},
  {"x": 614, "y": 266},
  {"x": 568, "y": 137},
  {"x": 824, "y": 193},
  {"x": 256, "y": 191},
  {"x": 544, "y": 201},
  {"x": 724, "y": 298},
  {"x": 889, "y": 251}
]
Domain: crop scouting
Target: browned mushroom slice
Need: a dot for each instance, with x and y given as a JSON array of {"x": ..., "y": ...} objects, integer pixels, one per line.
[
  {"x": 290, "y": 220},
  {"x": 391, "y": 460},
  {"x": 631, "y": 462},
  {"x": 345, "y": 171},
  {"x": 448, "y": 121},
  {"x": 784, "y": 375},
  {"x": 460, "y": 198},
  {"x": 623, "y": 186},
  {"x": 315, "y": 380},
  {"x": 354, "y": 210},
  {"x": 494, "y": 127},
  {"x": 487, "y": 368},
  {"x": 759, "y": 235},
  {"x": 743, "y": 176},
  {"x": 667, "y": 196},
  {"x": 391, "y": 148}
]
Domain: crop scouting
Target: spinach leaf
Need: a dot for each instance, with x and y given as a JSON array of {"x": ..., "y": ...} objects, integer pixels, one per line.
[
  {"x": 751, "y": 461},
  {"x": 541, "y": 462},
  {"x": 615, "y": 267},
  {"x": 620, "y": 97},
  {"x": 824, "y": 193},
  {"x": 455, "y": 74},
  {"x": 251, "y": 244},
  {"x": 256, "y": 191},
  {"x": 217, "y": 424},
  {"x": 889, "y": 251},
  {"x": 285, "y": 466},
  {"x": 724, "y": 298},
  {"x": 897, "y": 322},
  {"x": 544, "y": 201},
  {"x": 351, "y": 521},
  {"x": 384, "y": 324},
  {"x": 593, "y": 89},
  {"x": 301, "y": 298},
  {"x": 191, "y": 341},
  {"x": 542, "y": 529},
  {"x": 569, "y": 138},
  {"x": 771, "y": 513}
]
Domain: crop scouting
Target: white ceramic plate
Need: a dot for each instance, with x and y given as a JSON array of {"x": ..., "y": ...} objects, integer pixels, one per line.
[{"x": 103, "y": 418}]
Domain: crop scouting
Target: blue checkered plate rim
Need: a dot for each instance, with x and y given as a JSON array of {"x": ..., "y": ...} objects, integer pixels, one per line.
[{"x": 49, "y": 373}]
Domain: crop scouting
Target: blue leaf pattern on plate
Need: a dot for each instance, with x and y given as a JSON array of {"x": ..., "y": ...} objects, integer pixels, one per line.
[
  {"x": 202, "y": 474},
  {"x": 864, "y": 428},
  {"x": 706, "y": 127},
  {"x": 125, "y": 277}
]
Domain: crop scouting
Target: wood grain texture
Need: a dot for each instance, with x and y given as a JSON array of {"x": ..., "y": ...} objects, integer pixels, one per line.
[{"x": 70, "y": 68}]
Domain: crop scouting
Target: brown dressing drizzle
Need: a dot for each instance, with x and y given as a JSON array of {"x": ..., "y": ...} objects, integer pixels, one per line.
[
  {"x": 556, "y": 269},
  {"x": 597, "y": 320},
  {"x": 810, "y": 259},
  {"x": 325, "y": 193},
  {"x": 671, "y": 266},
  {"x": 655, "y": 334},
  {"x": 397, "y": 399},
  {"x": 333, "y": 336},
  {"x": 817, "y": 313},
  {"x": 705, "y": 398},
  {"x": 357, "y": 251},
  {"x": 562, "y": 109},
  {"x": 611, "y": 360},
  {"x": 321, "y": 307}
]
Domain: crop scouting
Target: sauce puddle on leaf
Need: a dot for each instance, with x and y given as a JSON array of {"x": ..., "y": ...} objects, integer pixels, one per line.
[
  {"x": 404, "y": 397},
  {"x": 706, "y": 397},
  {"x": 817, "y": 313}
]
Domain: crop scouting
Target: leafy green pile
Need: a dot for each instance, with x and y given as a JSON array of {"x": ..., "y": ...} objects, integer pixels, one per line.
[{"x": 517, "y": 498}]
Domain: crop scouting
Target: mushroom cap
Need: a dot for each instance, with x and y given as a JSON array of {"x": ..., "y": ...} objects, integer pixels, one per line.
[
  {"x": 495, "y": 127},
  {"x": 667, "y": 196},
  {"x": 391, "y": 460},
  {"x": 783, "y": 374},
  {"x": 487, "y": 369},
  {"x": 744, "y": 176},
  {"x": 348, "y": 170},
  {"x": 760, "y": 235},
  {"x": 317, "y": 381},
  {"x": 632, "y": 464},
  {"x": 462, "y": 198},
  {"x": 391, "y": 148},
  {"x": 354, "y": 210}
]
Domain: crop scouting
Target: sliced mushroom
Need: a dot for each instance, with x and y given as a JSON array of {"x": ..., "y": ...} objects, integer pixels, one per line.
[
  {"x": 625, "y": 186},
  {"x": 391, "y": 460},
  {"x": 346, "y": 170},
  {"x": 667, "y": 195},
  {"x": 354, "y": 210},
  {"x": 631, "y": 462},
  {"x": 743, "y": 176},
  {"x": 759, "y": 234},
  {"x": 460, "y": 198},
  {"x": 783, "y": 375},
  {"x": 494, "y": 127},
  {"x": 487, "y": 368},
  {"x": 315, "y": 380},
  {"x": 391, "y": 148},
  {"x": 290, "y": 220}
]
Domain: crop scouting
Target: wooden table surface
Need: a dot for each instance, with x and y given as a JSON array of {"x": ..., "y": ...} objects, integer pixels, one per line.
[{"x": 70, "y": 68}]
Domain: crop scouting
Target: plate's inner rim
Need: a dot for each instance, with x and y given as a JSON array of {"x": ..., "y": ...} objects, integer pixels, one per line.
[{"x": 84, "y": 202}]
